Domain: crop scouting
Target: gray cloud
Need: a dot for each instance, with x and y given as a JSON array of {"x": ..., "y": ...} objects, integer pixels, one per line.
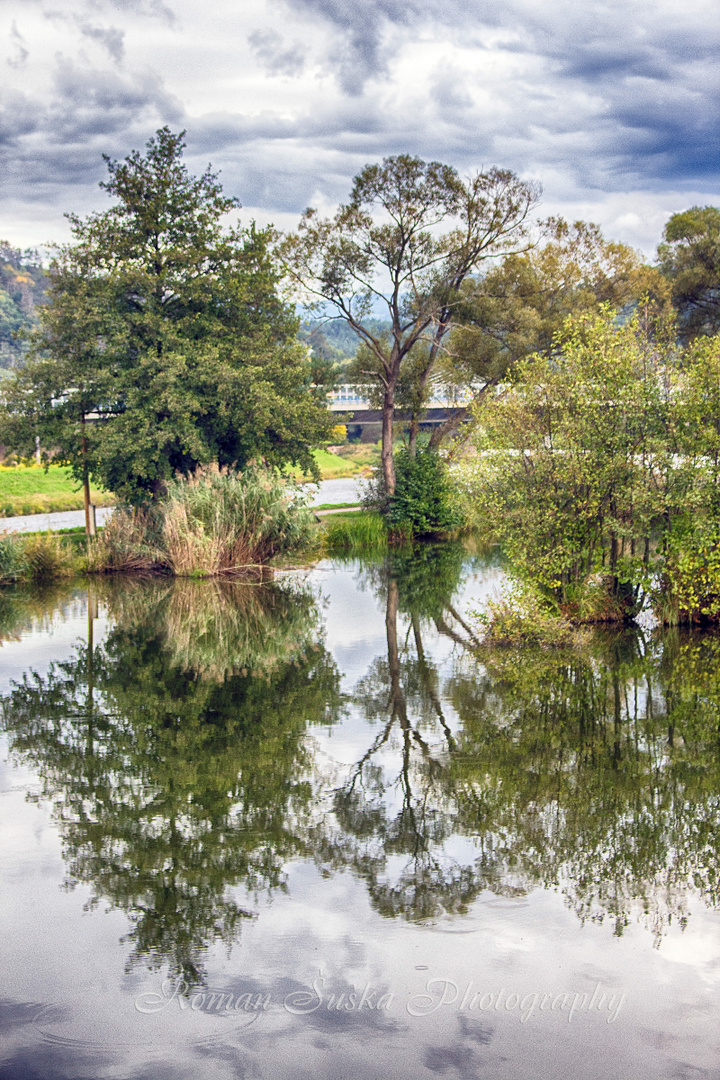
[
  {"x": 49, "y": 147},
  {"x": 270, "y": 50},
  {"x": 20, "y": 50},
  {"x": 153, "y": 8},
  {"x": 602, "y": 98},
  {"x": 109, "y": 36}
]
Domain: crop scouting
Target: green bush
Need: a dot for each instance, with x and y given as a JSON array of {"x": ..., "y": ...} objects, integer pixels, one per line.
[
  {"x": 688, "y": 591},
  {"x": 422, "y": 503},
  {"x": 521, "y": 616}
]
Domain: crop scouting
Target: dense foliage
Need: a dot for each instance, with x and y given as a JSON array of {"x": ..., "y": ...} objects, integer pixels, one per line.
[
  {"x": 598, "y": 468},
  {"x": 165, "y": 344},
  {"x": 422, "y": 503},
  {"x": 689, "y": 257},
  {"x": 22, "y": 289}
]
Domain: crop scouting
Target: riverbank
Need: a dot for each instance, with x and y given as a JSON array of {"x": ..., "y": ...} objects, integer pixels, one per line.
[{"x": 31, "y": 491}]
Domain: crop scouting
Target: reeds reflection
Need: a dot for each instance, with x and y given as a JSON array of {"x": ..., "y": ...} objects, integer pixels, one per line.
[
  {"x": 178, "y": 769},
  {"x": 179, "y": 756}
]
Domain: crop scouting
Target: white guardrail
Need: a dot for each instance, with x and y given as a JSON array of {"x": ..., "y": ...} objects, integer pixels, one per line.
[{"x": 348, "y": 400}]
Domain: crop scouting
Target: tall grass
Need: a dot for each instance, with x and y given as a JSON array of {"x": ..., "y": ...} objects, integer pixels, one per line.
[
  {"x": 41, "y": 558},
  {"x": 359, "y": 532},
  {"x": 213, "y": 523}
]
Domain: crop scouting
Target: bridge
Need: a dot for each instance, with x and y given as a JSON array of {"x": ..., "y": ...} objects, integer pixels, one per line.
[{"x": 365, "y": 423}]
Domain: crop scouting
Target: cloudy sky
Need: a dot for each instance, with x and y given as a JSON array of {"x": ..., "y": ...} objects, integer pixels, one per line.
[{"x": 611, "y": 104}]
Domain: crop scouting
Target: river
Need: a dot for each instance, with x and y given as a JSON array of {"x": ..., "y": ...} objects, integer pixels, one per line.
[{"x": 312, "y": 829}]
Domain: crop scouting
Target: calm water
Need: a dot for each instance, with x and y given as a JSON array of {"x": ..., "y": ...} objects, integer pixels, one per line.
[{"x": 302, "y": 830}]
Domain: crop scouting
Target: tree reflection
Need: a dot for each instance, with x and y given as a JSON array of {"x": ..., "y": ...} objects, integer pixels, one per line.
[
  {"x": 177, "y": 763},
  {"x": 394, "y": 807},
  {"x": 176, "y": 753},
  {"x": 595, "y": 770}
]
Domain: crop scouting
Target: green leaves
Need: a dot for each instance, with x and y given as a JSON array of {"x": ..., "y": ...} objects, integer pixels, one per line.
[
  {"x": 165, "y": 345},
  {"x": 575, "y": 466},
  {"x": 690, "y": 258}
]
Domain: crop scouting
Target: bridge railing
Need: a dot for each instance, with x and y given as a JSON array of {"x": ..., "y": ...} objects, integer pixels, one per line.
[{"x": 348, "y": 399}]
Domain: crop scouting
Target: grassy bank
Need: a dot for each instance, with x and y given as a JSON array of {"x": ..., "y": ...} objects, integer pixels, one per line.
[
  {"x": 332, "y": 467},
  {"x": 354, "y": 533},
  {"x": 29, "y": 489}
]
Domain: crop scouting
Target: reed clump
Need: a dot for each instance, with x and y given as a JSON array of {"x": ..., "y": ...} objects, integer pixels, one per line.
[
  {"x": 40, "y": 557},
  {"x": 214, "y": 523},
  {"x": 352, "y": 533}
]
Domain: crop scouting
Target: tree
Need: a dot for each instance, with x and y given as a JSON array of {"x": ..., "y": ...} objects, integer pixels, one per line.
[
  {"x": 577, "y": 465},
  {"x": 409, "y": 236},
  {"x": 520, "y": 305},
  {"x": 690, "y": 258},
  {"x": 165, "y": 344}
]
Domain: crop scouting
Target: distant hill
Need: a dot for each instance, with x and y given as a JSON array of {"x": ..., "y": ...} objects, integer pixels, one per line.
[
  {"x": 22, "y": 290},
  {"x": 334, "y": 342}
]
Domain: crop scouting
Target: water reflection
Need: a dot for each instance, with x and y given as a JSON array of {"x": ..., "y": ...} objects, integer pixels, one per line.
[
  {"x": 176, "y": 761},
  {"x": 597, "y": 771},
  {"x": 178, "y": 757}
]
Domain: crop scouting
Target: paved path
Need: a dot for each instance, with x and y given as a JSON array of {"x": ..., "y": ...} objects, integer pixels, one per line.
[{"x": 347, "y": 490}]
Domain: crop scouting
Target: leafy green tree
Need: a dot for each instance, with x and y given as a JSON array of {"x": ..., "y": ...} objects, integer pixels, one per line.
[
  {"x": 22, "y": 291},
  {"x": 576, "y": 465},
  {"x": 689, "y": 257},
  {"x": 520, "y": 306},
  {"x": 409, "y": 236},
  {"x": 165, "y": 344}
]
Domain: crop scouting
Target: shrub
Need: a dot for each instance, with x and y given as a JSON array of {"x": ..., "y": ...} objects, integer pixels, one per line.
[
  {"x": 523, "y": 617},
  {"x": 422, "y": 504},
  {"x": 216, "y": 522},
  {"x": 688, "y": 591}
]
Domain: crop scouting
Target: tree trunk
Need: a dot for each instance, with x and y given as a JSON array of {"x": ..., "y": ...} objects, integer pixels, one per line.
[
  {"x": 388, "y": 462},
  {"x": 89, "y": 509}
]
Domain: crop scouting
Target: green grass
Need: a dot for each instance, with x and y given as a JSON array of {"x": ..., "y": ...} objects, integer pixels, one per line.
[
  {"x": 364, "y": 455},
  {"x": 364, "y": 531},
  {"x": 29, "y": 489},
  {"x": 332, "y": 467},
  {"x": 335, "y": 506}
]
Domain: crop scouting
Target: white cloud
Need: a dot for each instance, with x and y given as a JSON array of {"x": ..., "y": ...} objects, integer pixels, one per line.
[{"x": 611, "y": 106}]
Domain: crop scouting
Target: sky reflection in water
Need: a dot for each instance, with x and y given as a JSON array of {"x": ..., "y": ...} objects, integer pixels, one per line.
[{"x": 307, "y": 829}]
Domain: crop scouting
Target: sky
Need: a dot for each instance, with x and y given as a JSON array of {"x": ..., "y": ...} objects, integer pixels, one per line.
[{"x": 612, "y": 106}]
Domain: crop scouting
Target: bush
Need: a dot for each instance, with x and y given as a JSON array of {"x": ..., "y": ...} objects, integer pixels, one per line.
[
  {"x": 689, "y": 588},
  {"x": 422, "y": 503},
  {"x": 522, "y": 617},
  {"x": 216, "y": 522}
]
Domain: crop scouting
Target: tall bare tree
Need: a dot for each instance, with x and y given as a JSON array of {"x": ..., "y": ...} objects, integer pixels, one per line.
[{"x": 409, "y": 236}]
